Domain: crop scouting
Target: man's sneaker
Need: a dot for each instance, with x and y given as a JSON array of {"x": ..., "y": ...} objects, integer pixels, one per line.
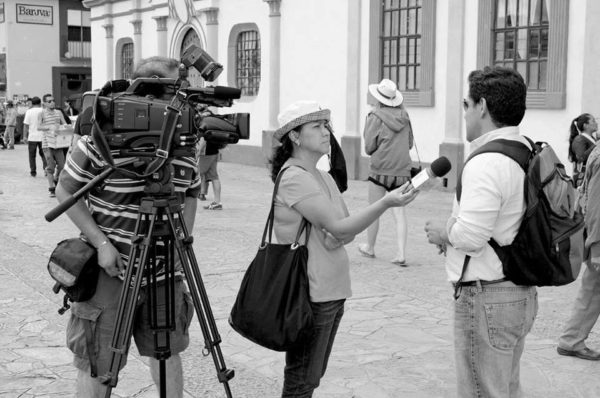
[
  {"x": 202, "y": 196},
  {"x": 214, "y": 206},
  {"x": 52, "y": 192}
]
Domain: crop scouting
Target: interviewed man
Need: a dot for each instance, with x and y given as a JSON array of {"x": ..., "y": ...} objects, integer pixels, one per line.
[
  {"x": 108, "y": 224},
  {"x": 492, "y": 315}
]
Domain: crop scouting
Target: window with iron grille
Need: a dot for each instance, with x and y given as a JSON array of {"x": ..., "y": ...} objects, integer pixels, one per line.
[
  {"x": 530, "y": 36},
  {"x": 400, "y": 42},
  {"x": 521, "y": 39},
  {"x": 79, "y": 35},
  {"x": 127, "y": 61},
  {"x": 248, "y": 62}
]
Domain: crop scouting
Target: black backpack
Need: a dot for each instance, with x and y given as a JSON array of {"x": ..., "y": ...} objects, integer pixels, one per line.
[{"x": 548, "y": 248}]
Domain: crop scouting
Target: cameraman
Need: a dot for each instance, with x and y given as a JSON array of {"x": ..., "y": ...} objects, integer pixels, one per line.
[{"x": 108, "y": 224}]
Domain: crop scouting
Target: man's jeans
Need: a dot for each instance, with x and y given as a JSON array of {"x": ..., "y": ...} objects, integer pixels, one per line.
[
  {"x": 490, "y": 325},
  {"x": 305, "y": 365},
  {"x": 35, "y": 146},
  {"x": 55, "y": 162},
  {"x": 9, "y": 136},
  {"x": 584, "y": 315}
]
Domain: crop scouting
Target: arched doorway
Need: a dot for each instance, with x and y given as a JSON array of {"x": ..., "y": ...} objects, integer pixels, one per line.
[{"x": 191, "y": 37}]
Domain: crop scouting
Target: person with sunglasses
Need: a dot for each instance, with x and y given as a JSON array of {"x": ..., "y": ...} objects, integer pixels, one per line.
[
  {"x": 492, "y": 314},
  {"x": 50, "y": 121}
]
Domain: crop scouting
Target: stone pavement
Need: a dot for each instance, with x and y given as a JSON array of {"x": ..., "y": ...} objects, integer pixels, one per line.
[{"x": 395, "y": 339}]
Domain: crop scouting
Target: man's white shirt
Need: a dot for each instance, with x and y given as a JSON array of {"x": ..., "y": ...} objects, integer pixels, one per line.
[{"x": 492, "y": 205}]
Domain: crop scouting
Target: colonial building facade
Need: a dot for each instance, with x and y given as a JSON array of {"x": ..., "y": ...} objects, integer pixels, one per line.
[{"x": 280, "y": 51}]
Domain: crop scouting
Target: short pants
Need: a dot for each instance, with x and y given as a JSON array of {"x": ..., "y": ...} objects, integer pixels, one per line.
[
  {"x": 207, "y": 167},
  {"x": 101, "y": 311},
  {"x": 388, "y": 182}
]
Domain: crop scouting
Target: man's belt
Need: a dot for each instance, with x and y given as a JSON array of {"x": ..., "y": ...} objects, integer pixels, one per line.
[{"x": 474, "y": 283}]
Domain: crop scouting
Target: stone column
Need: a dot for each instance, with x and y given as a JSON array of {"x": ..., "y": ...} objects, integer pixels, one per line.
[
  {"x": 212, "y": 31},
  {"x": 161, "y": 34},
  {"x": 274, "y": 72},
  {"x": 590, "y": 48},
  {"x": 351, "y": 140},
  {"x": 137, "y": 40},
  {"x": 453, "y": 145},
  {"x": 110, "y": 52}
]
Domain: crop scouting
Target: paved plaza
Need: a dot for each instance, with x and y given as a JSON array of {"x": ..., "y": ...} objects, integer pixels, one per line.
[{"x": 395, "y": 339}]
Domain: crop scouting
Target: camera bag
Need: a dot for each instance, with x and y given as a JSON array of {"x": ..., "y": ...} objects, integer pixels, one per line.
[{"x": 74, "y": 266}]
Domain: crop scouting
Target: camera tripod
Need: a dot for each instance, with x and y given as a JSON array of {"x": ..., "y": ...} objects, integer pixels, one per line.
[{"x": 160, "y": 232}]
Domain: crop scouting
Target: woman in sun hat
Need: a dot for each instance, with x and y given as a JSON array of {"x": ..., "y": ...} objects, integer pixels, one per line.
[
  {"x": 305, "y": 191},
  {"x": 388, "y": 139}
]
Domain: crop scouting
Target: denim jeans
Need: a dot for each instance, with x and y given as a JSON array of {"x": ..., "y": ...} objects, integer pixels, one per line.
[
  {"x": 305, "y": 365},
  {"x": 584, "y": 315},
  {"x": 9, "y": 136},
  {"x": 55, "y": 162},
  {"x": 490, "y": 325},
  {"x": 33, "y": 147}
]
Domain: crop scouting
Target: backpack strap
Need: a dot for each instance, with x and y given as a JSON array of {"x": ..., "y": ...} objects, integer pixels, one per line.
[
  {"x": 515, "y": 150},
  {"x": 518, "y": 152}
]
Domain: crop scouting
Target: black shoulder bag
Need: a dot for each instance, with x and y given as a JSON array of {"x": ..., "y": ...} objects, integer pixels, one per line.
[
  {"x": 272, "y": 307},
  {"x": 74, "y": 266}
]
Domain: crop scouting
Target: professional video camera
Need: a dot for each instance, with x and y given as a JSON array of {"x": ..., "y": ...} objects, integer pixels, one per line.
[{"x": 130, "y": 117}]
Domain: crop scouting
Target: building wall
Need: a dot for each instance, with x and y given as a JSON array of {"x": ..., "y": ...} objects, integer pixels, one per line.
[
  {"x": 324, "y": 55},
  {"x": 32, "y": 51},
  {"x": 29, "y": 55}
]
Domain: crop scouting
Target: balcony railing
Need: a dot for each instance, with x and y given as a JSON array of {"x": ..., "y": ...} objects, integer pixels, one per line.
[{"x": 79, "y": 49}]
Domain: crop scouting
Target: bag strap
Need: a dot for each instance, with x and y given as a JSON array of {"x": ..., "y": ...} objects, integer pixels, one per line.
[
  {"x": 412, "y": 133},
  {"x": 515, "y": 150},
  {"x": 304, "y": 224}
]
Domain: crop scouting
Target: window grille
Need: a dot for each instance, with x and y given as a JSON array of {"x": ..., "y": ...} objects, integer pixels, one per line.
[
  {"x": 127, "y": 60},
  {"x": 520, "y": 36},
  {"x": 400, "y": 40},
  {"x": 248, "y": 62}
]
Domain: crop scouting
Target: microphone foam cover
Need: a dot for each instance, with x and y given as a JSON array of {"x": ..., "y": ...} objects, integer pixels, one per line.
[{"x": 440, "y": 166}]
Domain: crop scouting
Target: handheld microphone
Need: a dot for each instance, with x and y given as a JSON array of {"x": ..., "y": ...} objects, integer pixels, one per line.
[{"x": 439, "y": 168}]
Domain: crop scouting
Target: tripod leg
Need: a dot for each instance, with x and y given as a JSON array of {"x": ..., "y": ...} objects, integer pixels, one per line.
[
  {"x": 123, "y": 328},
  {"x": 212, "y": 339}
]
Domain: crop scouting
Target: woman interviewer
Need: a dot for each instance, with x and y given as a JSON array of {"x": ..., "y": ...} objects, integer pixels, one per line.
[{"x": 307, "y": 192}]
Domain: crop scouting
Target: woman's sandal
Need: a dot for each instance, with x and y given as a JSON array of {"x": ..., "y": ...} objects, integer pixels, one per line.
[
  {"x": 364, "y": 252},
  {"x": 399, "y": 262}
]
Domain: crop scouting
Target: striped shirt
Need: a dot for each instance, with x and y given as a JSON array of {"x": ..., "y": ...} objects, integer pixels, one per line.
[
  {"x": 115, "y": 204},
  {"x": 50, "y": 117}
]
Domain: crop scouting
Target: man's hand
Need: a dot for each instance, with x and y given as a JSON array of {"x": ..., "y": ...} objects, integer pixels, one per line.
[
  {"x": 436, "y": 233},
  {"x": 110, "y": 259}
]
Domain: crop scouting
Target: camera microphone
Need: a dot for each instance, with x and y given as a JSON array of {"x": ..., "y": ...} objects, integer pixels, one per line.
[
  {"x": 223, "y": 92},
  {"x": 438, "y": 168}
]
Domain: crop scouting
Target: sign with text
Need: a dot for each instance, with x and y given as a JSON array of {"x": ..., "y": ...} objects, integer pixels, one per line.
[
  {"x": 31, "y": 13},
  {"x": 1, "y": 12}
]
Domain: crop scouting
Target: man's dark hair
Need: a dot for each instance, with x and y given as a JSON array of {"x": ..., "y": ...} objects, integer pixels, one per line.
[
  {"x": 504, "y": 91},
  {"x": 45, "y": 97},
  {"x": 154, "y": 66},
  {"x": 36, "y": 101}
]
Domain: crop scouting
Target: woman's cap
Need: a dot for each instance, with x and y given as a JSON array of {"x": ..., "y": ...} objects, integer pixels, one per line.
[
  {"x": 386, "y": 93},
  {"x": 297, "y": 114}
]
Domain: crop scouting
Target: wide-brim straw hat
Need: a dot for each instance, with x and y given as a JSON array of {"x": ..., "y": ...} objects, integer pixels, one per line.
[
  {"x": 297, "y": 114},
  {"x": 386, "y": 93}
]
